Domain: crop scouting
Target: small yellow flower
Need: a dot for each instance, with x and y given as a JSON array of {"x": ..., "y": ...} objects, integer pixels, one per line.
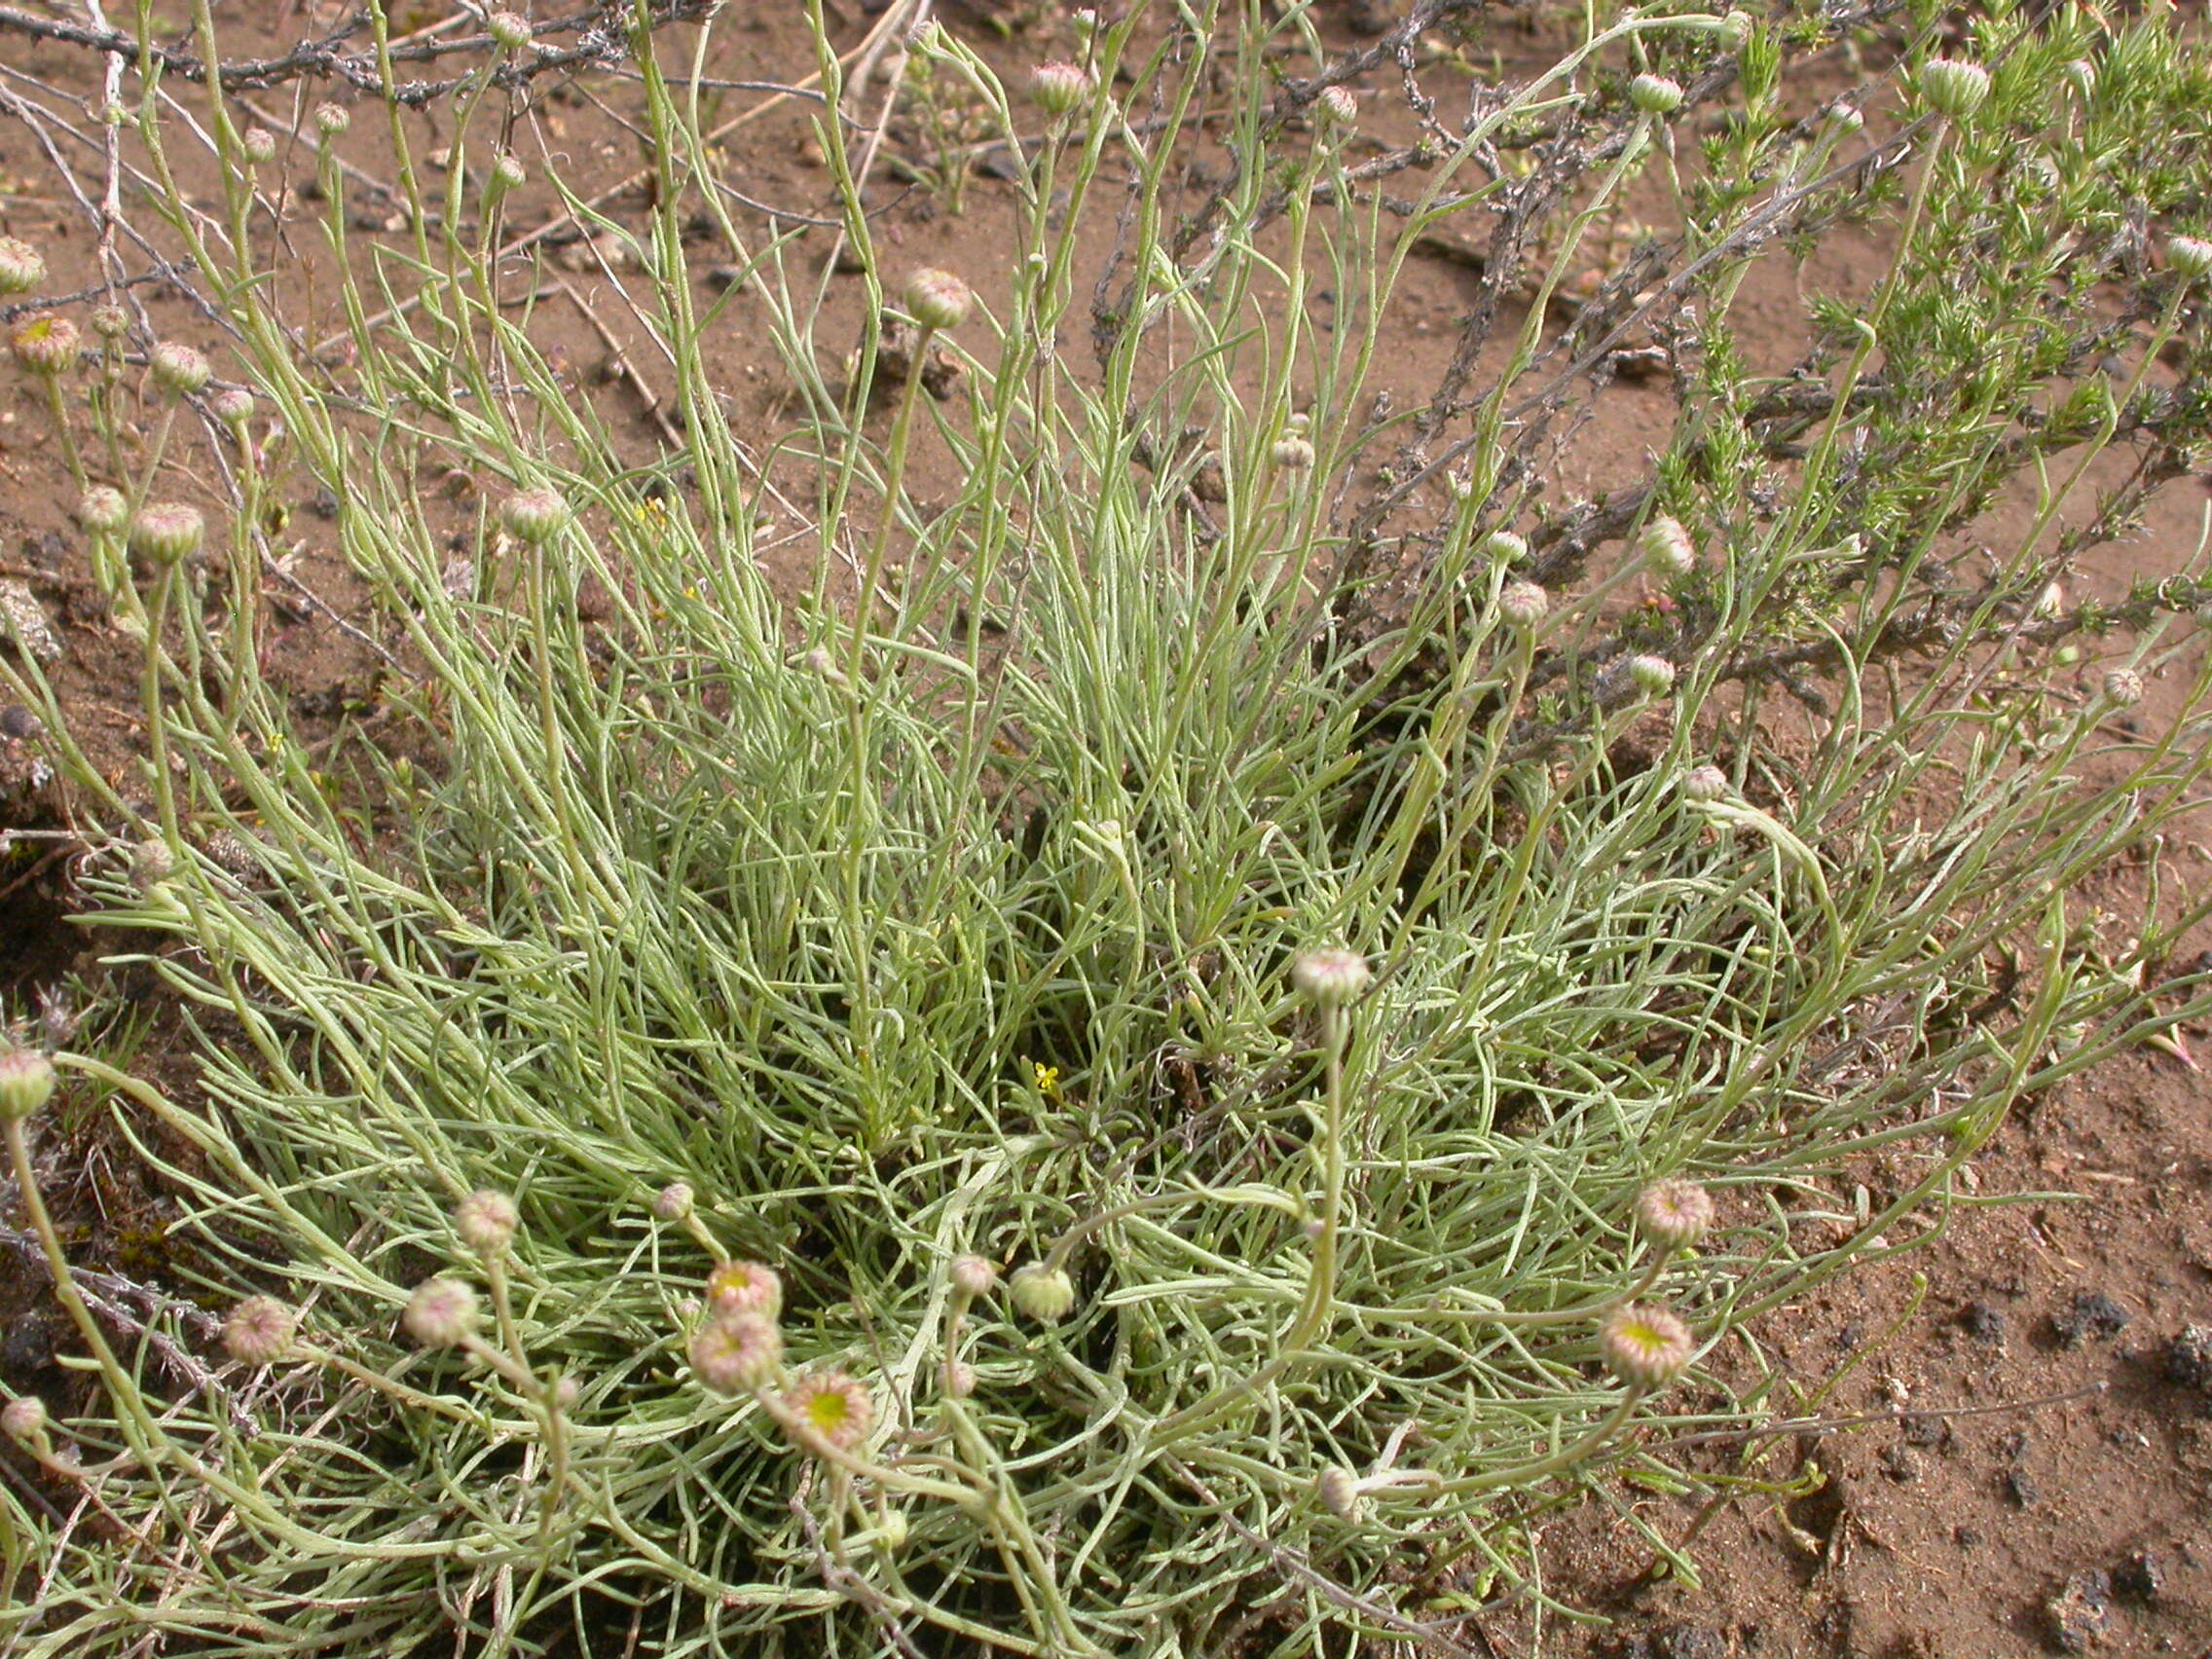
[{"x": 1048, "y": 1080}]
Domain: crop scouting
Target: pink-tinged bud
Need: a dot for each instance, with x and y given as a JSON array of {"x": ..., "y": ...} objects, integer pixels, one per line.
[
  {"x": 331, "y": 120},
  {"x": 20, "y": 267},
  {"x": 1524, "y": 604},
  {"x": 259, "y": 1331},
  {"x": 830, "y": 1408},
  {"x": 534, "y": 516},
  {"x": 2123, "y": 685},
  {"x": 972, "y": 1277},
  {"x": 23, "y": 1418},
  {"x": 168, "y": 532},
  {"x": 1673, "y": 1213},
  {"x": 232, "y": 406},
  {"x": 1046, "y": 1294},
  {"x": 485, "y": 1221},
  {"x": 1059, "y": 89},
  {"x": 938, "y": 300},
  {"x": 26, "y": 1082},
  {"x": 177, "y": 369},
  {"x": 1704, "y": 784},
  {"x": 674, "y": 1201},
  {"x": 737, "y": 1353},
  {"x": 45, "y": 345},
  {"x": 104, "y": 510},
  {"x": 1667, "y": 548},
  {"x": 959, "y": 1379},
  {"x": 442, "y": 1314},
  {"x": 259, "y": 144},
  {"x": 110, "y": 322},
  {"x": 1645, "y": 1348},
  {"x": 745, "y": 1287},
  {"x": 1338, "y": 106},
  {"x": 1330, "y": 977}
]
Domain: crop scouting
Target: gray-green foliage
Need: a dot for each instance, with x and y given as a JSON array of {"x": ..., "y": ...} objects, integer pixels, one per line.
[{"x": 955, "y": 936}]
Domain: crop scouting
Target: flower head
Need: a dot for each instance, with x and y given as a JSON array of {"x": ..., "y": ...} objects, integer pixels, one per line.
[
  {"x": 2123, "y": 685},
  {"x": 26, "y": 1082},
  {"x": 103, "y": 508},
  {"x": 23, "y": 1417},
  {"x": 1645, "y": 1348},
  {"x": 1059, "y": 89},
  {"x": 177, "y": 369},
  {"x": 1704, "y": 784},
  {"x": 745, "y": 1287},
  {"x": 507, "y": 173},
  {"x": 259, "y": 144},
  {"x": 441, "y": 1313},
  {"x": 152, "y": 862},
  {"x": 1667, "y": 546},
  {"x": 1523, "y": 604},
  {"x": 1504, "y": 547},
  {"x": 2189, "y": 256},
  {"x": 1953, "y": 87},
  {"x": 485, "y": 1221},
  {"x": 972, "y": 1277},
  {"x": 534, "y": 516},
  {"x": 734, "y": 1353},
  {"x": 1338, "y": 106},
  {"x": 830, "y": 1408},
  {"x": 1046, "y": 1294},
  {"x": 43, "y": 344},
  {"x": 20, "y": 267},
  {"x": 509, "y": 30},
  {"x": 1653, "y": 675},
  {"x": 1293, "y": 454},
  {"x": 330, "y": 120},
  {"x": 233, "y": 405},
  {"x": 110, "y": 322},
  {"x": 168, "y": 532},
  {"x": 259, "y": 1331},
  {"x": 1673, "y": 1213},
  {"x": 937, "y": 299},
  {"x": 673, "y": 1203},
  {"x": 1330, "y": 977}
]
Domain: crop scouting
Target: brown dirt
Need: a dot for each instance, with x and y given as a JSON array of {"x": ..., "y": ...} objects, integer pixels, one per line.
[{"x": 2005, "y": 1433}]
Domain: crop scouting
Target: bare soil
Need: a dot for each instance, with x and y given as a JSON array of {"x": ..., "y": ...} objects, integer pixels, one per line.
[{"x": 2016, "y": 1456}]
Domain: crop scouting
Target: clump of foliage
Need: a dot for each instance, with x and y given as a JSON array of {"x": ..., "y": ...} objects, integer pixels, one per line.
[{"x": 1211, "y": 1020}]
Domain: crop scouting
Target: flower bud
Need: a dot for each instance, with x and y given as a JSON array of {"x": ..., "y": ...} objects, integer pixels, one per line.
[
  {"x": 1667, "y": 546},
  {"x": 331, "y": 120},
  {"x": 745, "y": 1287},
  {"x": 533, "y": 517},
  {"x": 1503, "y": 547},
  {"x": 26, "y": 1082},
  {"x": 441, "y": 1313},
  {"x": 2189, "y": 256},
  {"x": 23, "y": 1418},
  {"x": 259, "y": 144},
  {"x": 1046, "y": 1294},
  {"x": 1523, "y": 604},
  {"x": 507, "y": 174},
  {"x": 1645, "y": 1348},
  {"x": 1953, "y": 87},
  {"x": 1653, "y": 675},
  {"x": 1735, "y": 31},
  {"x": 43, "y": 344},
  {"x": 1059, "y": 89},
  {"x": 972, "y": 1277},
  {"x": 2123, "y": 685},
  {"x": 110, "y": 322},
  {"x": 259, "y": 1331},
  {"x": 509, "y": 31},
  {"x": 1655, "y": 94},
  {"x": 1704, "y": 784},
  {"x": 168, "y": 532},
  {"x": 1338, "y": 106},
  {"x": 1338, "y": 1489},
  {"x": 1846, "y": 117},
  {"x": 1673, "y": 1213},
  {"x": 736, "y": 1353},
  {"x": 177, "y": 369},
  {"x": 959, "y": 1379},
  {"x": 233, "y": 405},
  {"x": 104, "y": 510},
  {"x": 152, "y": 862},
  {"x": 937, "y": 299},
  {"x": 1328, "y": 976},
  {"x": 1293, "y": 454},
  {"x": 20, "y": 267},
  {"x": 673, "y": 1203},
  {"x": 485, "y": 1221}
]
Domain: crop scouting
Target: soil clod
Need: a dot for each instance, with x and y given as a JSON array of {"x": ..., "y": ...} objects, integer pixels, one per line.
[{"x": 2079, "y": 1616}]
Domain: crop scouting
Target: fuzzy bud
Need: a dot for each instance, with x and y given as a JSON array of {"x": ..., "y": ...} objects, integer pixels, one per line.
[
  {"x": 1503, "y": 547},
  {"x": 1953, "y": 87},
  {"x": 1338, "y": 106},
  {"x": 259, "y": 1331},
  {"x": 1046, "y": 1294},
  {"x": 110, "y": 322},
  {"x": 1059, "y": 89},
  {"x": 233, "y": 405},
  {"x": 1523, "y": 604},
  {"x": 152, "y": 862},
  {"x": 1293, "y": 454},
  {"x": 673, "y": 1203},
  {"x": 745, "y": 1287},
  {"x": 1653, "y": 675},
  {"x": 20, "y": 267},
  {"x": 331, "y": 120},
  {"x": 23, "y": 1418},
  {"x": 168, "y": 532},
  {"x": 485, "y": 1221},
  {"x": 509, "y": 31},
  {"x": 2123, "y": 685},
  {"x": 1655, "y": 94},
  {"x": 441, "y": 1313},
  {"x": 533, "y": 517},
  {"x": 1673, "y": 1213},
  {"x": 1330, "y": 977},
  {"x": 736, "y": 1353},
  {"x": 937, "y": 299},
  {"x": 177, "y": 369},
  {"x": 2191, "y": 257},
  {"x": 43, "y": 344},
  {"x": 972, "y": 1277},
  {"x": 1667, "y": 546},
  {"x": 26, "y": 1082},
  {"x": 1702, "y": 784},
  {"x": 1645, "y": 1348},
  {"x": 104, "y": 510},
  {"x": 507, "y": 174},
  {"x": 259, "y": 144},
  {"x": 1338, "y": 1489}
]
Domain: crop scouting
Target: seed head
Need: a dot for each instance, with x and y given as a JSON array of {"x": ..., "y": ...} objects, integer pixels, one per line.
[
  {"x": 331, "y": 120},
  {"x": 1653, "y": 675},
  {"x": 168, "y": 532},
  {"x": 745, "y": 1287},
  {"x": 509, "y": 31},
  {"x": 1704, "y": 784},
  {"x": 1523, "y": 604},
  {"x": 43, "y": 344},
  {"x": 830, "y": 1408},
  {"x": 937, "y": 299},
  {"x": 259, "y": 1331},
  {"x": 1645, "y": 1348},
  {"x": 1330, "y": 977},
  {"x": 2190, "y": 256},
  {"x": 1058, "y": 87},
  {"x": 23, "y": 1417},
  {"x": 1673, "y": 1213},
  {"x": 1667, "y": 546},
  {"x": 1338, "y": 106},
  {"x": 1338, "y": 1489},
  {"x": 1046, "y": 1294},
  {"x": 177, "y": 369},
  {"x": 260, "y": 144},
  {"x": 1655, "y": 94},
  {"x": 533, "y": 517},
  {"x": 1293, "y": 454},
  {"x": 1953, "y": 87},
  {"x": 103, "y": 509},
  {"x": 673, "y": 1203},
  {"x": 441, "y": 1313},
  {"x": 2123, "y": 685},
  {"x": 736, "y": 1353},
  {"x": 233, "y": 405},
  {"x": 20, "y": 267},
  {"x": 26, "y": 1082},
  {"x": 972, "y": 1277},
  {"x": 485, "y": 1221},
  {"x": 1503, "y": 547}
]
